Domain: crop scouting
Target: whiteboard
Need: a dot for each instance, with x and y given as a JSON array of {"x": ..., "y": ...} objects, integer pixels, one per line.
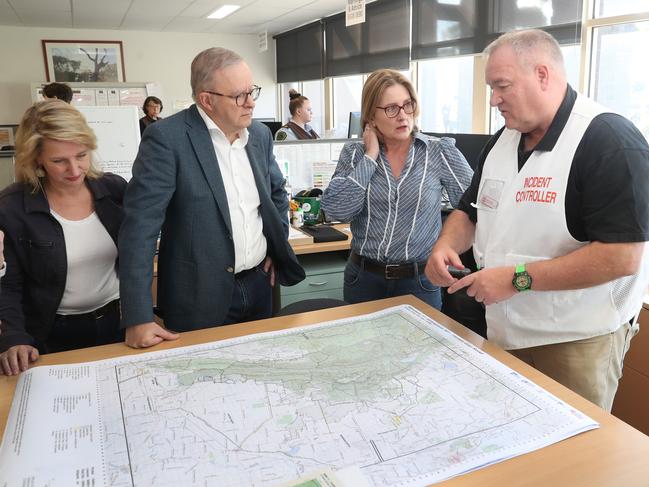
[{"x": 118, "y": 136}]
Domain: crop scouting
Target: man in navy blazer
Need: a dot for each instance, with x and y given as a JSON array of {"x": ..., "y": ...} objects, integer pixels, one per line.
[{"x": 206, "y": 180}]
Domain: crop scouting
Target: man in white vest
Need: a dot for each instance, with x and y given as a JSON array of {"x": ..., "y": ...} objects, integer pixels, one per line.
[{"x": 558, "y": 216}]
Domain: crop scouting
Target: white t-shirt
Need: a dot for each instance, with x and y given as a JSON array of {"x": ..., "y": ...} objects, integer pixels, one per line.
[{"x": 91, "y": 281}]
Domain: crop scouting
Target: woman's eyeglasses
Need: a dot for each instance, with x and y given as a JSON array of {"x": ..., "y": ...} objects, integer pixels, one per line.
[
  {"x": 392, "y": 111},
  {"x": 241, "y": 98}
]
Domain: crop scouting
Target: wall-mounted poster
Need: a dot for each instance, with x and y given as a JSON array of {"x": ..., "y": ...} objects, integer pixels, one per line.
[{"x": 83, "y": 61}]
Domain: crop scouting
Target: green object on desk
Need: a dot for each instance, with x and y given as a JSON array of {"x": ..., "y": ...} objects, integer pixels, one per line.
[{"x": 310, "y": 208}]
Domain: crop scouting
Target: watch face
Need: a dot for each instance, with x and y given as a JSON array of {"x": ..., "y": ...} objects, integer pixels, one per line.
[{"x": 522, "y": 281}]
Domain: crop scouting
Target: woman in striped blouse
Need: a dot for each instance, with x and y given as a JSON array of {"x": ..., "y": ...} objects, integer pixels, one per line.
[{"x": 390, "y": 188}]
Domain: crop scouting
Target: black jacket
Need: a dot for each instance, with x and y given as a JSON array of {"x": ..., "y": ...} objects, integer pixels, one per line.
[{"x": 34, "y": 249}]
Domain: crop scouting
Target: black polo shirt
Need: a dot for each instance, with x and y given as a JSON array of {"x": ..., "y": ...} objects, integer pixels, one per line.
[{"x": 607, "y": 196}]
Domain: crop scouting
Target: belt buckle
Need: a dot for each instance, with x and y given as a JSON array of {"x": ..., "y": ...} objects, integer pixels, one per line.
[{"x": 388, "y": 271}]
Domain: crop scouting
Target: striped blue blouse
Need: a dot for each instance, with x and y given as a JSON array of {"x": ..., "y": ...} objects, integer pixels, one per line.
[{"x": 396, "y": 220}]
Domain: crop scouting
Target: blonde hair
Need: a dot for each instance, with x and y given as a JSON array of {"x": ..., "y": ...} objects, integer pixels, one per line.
[
  {"x": 375, "y": 86},
  {"x": 528, "y": 45},
  {"x": 54, "y": 120}
]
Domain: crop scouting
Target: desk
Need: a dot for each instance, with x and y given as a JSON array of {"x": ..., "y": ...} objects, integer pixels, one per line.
[
  {"x": 324, "y": 265},
  {"x": 614, "y": 455},
  {"x": 299, "y": 249},
  {"x": 313, "y": 248}
]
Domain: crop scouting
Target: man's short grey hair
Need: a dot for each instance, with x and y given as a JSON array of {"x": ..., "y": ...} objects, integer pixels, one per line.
[
  {"x": 528, "y": 45},
  {"x": 206, "y": 63}
]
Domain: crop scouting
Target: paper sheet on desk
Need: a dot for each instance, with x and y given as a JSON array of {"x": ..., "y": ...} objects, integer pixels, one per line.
[
  {"x": 296, "y": 237},
  {"x": 393, "y": 392}
]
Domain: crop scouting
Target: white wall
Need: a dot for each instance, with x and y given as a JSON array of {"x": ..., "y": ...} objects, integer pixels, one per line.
[{"x": 163, "y": 57}]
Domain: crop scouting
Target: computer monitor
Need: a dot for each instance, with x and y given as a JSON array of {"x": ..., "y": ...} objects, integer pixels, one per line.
[
  {"x": 354, "y": 129},
  {"x": 272, "y": 125},
  {"x": 470, "y": 145}
]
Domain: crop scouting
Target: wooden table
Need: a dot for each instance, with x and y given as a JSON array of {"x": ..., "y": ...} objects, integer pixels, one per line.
[
  {"x": 312, "y": 248},
  {"x": 613, "y": 455}
]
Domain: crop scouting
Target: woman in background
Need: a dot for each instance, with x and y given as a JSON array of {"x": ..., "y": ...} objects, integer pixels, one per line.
[
  {"x": 151, "y": 107},
  {"x": 298, "y": 127},
  {"x": 390, "y": 188},
  {"x": 60, "y": 224}
]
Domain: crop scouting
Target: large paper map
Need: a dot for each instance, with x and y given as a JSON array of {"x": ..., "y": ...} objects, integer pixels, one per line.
[{"x": 393, "y": 393}]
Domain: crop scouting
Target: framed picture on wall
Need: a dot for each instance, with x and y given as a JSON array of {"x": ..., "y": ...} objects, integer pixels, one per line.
[{"x": 87, "y": 61}]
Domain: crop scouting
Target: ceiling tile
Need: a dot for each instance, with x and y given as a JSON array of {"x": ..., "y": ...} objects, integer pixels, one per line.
[
  {"x": 168, "y": 15},
  {"x": 89, "y": 21},
  {"x": 189, "y": 24},
  {"x": 257, "y": 15},
  {"x": 8, "y": 16},
  {"x": 45, "y": 18},
  {"x": 201, "y": 8},
  {"x": 40, "y": 5},
  {"x": 158, "y": 7},
  {"x": 147, "y": 22}
]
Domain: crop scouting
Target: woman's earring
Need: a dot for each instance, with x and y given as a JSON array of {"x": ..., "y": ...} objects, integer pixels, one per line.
[{"x": 40, "y": 172}]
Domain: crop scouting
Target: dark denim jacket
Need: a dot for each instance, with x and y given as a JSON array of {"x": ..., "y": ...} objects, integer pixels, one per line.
[{"x": 34, "y": 249}]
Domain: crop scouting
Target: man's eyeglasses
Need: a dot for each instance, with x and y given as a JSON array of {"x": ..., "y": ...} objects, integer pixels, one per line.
[
  {"x": 392, "y": 111},
  {"x": 241, "y": 98}
]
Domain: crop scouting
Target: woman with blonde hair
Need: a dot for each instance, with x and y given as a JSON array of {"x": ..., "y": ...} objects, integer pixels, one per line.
[
  {"x": 297, "y": 128},
  {"x": 389, "y": 186},
  {"x": 60, "y": 221}
]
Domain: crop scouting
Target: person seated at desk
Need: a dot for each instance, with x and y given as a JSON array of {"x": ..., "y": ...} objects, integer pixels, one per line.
[
  {"x": 60, "y": 222},
  {"x": 297, "y": 128},
  {"x": 151, "y": 107},
  {"x": 58, "y": 91},
  {"x": 390, "y": 188}
]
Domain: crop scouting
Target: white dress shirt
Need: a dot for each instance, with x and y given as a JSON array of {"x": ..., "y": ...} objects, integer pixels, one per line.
[{"x": 243, "y": 198}]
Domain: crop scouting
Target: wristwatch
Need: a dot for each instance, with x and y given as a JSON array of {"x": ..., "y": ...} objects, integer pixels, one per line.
[{"x": 522, "y": 281}]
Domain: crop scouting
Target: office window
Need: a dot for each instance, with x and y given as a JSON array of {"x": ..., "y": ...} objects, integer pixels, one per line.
[
  {"x": 525, "y": 14},
  {"x": 314, "y": 91},
  {"x": 446, "y": 94},
  {"x": 442, "y": 28},
  {"x": 347, "y": 92},
  {"x": 572, "y": 59},
  {"x": 620, "y": 80},
  {"x": 609, "y": 8},
  {"x": 300, "y": 53},
  {"x": 382, "y": 41}
]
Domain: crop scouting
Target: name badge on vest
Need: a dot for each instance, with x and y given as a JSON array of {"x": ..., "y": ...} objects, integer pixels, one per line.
[{"x": 490, "y": 194}]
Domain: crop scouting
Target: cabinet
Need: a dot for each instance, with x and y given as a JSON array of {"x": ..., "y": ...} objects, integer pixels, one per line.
[
  {"x": 324, "y": 278},
  {"x": 632, "y": 398}
]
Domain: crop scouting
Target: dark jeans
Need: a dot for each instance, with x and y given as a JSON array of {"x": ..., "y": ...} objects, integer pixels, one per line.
[
  {"x": 361, "y": 286},
  {"x": 98, "y": 327},
  {"x": 252, "y": 298}
]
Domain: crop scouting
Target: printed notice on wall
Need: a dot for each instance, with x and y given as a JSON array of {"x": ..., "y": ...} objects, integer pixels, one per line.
[
  {"x": 355, "y": 13},
  {"x": 262, "y": 41}
]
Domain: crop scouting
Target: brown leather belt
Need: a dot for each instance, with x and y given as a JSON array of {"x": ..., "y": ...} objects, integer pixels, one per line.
[{"x": 389, "y": 271}]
